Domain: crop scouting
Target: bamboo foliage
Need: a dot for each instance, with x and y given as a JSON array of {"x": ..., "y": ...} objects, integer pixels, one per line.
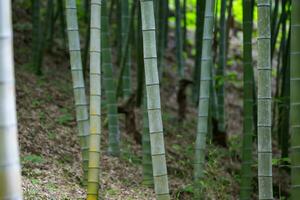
[
  {"x": 204, "y": 98},
  {"x": 95, "y": 101},
  {"x": 110, "y": 87},
  {"x": 264, "y": 101},
  {"x": 295, "y": 100},
  {"x": 10, "y": 170},
  {"x": 153, "y": 102},
  {"x": 81, "y": 106},
  {"x": 246, "y": 172}
]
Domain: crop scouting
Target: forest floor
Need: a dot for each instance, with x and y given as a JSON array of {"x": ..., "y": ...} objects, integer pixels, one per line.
[
  {"x": 50, "y": 153},
  {"x": 48, "y": 136}
]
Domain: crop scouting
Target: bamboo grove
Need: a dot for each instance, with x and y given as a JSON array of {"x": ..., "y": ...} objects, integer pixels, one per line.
[{"x": 120, "y": 54}]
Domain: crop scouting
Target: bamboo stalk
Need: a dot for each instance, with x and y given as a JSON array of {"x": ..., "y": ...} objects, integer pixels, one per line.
[
  {"x": 140, "y": 60},
  {"x": 125, "y": 19},
  {"x": 248, "y": 125},
  {"x": 295, "y": 100},
  {"x": 146, "y": 146},
  {"x": 10, "y": 169},
  {"x": 264, "y": 101},
  {"x": 204, "y": 99},
  {"x": 161, "y": 35},
  {"x": 221, "y": 67},
  {"x": 37, "y": 37},
  {"x": 153, "y": 102},
  {"x": 110, "y": 87},
  {"x": 199, "y": 36},
  {"x": 179, "y": 47},
  {"x": 81, "y": 105},
  {"x": 95, "y": 101}
]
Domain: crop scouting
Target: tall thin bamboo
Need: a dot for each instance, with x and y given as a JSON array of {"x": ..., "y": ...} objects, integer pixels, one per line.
[
  {"x": 62, "y": 21},
  {"x": 81, "y": 105},
  {"x": 153, "y": 102},
  {"x": 184, "y": 11},
  {"x": 10, "y": 170},
  {"x": 179, "y": 38},
  {"x": 125, "y": 51},
  {"x": 36, "y": 32},
  {"x": 204, "y": 98},
  {"x": 221, "y": 67},
  {"x": 285, "y": 89},
  {"x": 200, "y": 7},
  {"x": 125, "y": 19},
  {"x": 161, "y": 35},
  {"x": 295, "y": 100},
  {"x": 110, "y": 87},
  {"x": 140, "y": 60},
  {"x": 248, "y": 125},
  {"x": 95, "y": 101},
  {"x": 264, "y": 101},
  {"x": 146, "y": 146}
]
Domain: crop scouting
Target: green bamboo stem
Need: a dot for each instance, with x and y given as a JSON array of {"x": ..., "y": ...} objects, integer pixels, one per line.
[
  {"x": 285, "y": 88},
  {"x": 81, "y": 105},
  {"x": 85, "y": 54},
  {"x": 36, "y": 32},
  {"x": 161, "y": 35},
  {"x": 125, "y": 19},
  {"x": 95, "y": 101},
  {"x": 42, "y": 40},
  {"x": 229, "y": 19},
  {"x": 221, "y": 68},
  {"x": 10, "y": 169},
  {"x": 277, "y": 108},
  {"x": 295, "y": 100},
  {"x": 139, "y": 59},
  {"x": 147, "y": 160},
  {"x": 166, "y": 21},
  {"x": 126, "y": 50},
  {"x": 62, "y": 22},
  {"x": 153, "y": 102},
  {"x": 179, "y": 47},
  {"x": 51, "y": 26},
  {"x": 110, "y": 87},
  {"x": 274, "y": 26},
  {"x": 204, "y": 98},
  {"x": 214, "y": 114},
  {"x": 264, "y": 101},
  {"x": 199, "y": 36},
  {"x": 184, "y": 11},
  {"x": 248, "y": 126}
]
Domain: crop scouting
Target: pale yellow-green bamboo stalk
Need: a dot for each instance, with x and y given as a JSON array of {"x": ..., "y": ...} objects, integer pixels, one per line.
[
  {"x": 10, "y": 170},
  {"x": 95, "y": 101}
]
